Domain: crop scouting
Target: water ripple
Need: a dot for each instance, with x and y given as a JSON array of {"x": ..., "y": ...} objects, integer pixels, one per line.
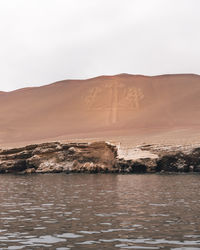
[{"x": 100, "y": 212}]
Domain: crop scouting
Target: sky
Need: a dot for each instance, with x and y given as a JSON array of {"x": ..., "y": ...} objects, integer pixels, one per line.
[{"x": 43, "y": 41}]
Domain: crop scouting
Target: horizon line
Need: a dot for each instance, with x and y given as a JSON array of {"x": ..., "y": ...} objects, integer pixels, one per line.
[{"x": 102, "y": 76}]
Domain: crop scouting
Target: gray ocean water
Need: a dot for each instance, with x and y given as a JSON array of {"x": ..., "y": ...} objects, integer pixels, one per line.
[{"x": 82, "y": 211}]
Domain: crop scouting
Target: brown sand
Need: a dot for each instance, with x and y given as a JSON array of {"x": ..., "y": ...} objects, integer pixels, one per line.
[{"x": 123, "y": 108}]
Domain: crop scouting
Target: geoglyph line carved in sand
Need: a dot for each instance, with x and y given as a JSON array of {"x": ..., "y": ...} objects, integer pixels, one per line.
[{"x": 113, "y": 97}]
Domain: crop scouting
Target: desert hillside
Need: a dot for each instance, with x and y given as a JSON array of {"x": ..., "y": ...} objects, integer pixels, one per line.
[{"x": 121, "y": 105}]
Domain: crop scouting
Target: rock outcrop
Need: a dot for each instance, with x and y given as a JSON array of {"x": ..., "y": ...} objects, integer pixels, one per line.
[
  {"x": 97, "y": 157},
  {"x": 56, "y": 157}
]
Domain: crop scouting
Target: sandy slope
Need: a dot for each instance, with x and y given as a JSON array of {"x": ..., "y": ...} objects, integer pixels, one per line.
[{"x": 128, "y": 106}]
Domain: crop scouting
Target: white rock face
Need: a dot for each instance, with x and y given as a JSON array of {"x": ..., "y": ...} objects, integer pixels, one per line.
[{"x": 134, "y": 153}]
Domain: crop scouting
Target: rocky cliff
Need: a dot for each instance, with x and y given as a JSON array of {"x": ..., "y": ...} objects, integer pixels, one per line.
[
  {"x": 98, "y": 157},
  {"x": 56, "y": 157}
]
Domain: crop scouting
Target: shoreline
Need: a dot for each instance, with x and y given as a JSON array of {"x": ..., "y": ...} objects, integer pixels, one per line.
[{"x": 100, "y": 157}]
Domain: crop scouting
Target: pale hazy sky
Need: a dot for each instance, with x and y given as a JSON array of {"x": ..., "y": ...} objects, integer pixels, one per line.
[{"x": 43, "y": 41}]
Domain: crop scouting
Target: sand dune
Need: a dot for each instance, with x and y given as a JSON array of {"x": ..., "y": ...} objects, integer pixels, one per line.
[{"x": 121, "y": 105}]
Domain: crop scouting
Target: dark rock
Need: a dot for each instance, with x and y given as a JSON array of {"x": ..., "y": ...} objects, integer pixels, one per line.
[
  {"x": 173, "y": 163},
  {"x": 138, "y": 167},
  {"x": 12, "y": 166},
  {"x": 197, "y": 168}
]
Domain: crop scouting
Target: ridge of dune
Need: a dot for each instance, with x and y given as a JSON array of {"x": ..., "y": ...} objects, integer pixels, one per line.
[
  {"x": 120, "y": 105},
  {"x": 104, "y": 77}
]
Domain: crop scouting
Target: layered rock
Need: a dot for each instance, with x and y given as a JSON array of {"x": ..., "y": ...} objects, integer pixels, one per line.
[
  {"x": 56, "y": 157},
  {"x": 98, "y": 157}
]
